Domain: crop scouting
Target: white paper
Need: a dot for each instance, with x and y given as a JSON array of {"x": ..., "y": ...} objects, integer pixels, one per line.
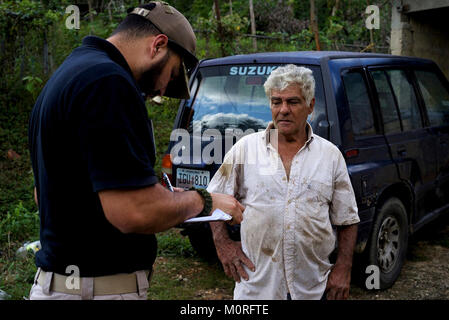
[{"x": 217, "y": 215}]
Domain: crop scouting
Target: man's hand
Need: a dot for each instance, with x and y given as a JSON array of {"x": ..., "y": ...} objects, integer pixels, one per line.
[
  {"x": 339, "y": 279},
  {"x": 338, "y": 283},
  {"x": 229, "y": 205},
  {"x": 230, "y": 253},
  {"x": 232, "y": 257}
]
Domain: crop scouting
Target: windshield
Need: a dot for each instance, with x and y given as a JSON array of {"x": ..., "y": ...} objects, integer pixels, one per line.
[{"x": 233, "y": 97}]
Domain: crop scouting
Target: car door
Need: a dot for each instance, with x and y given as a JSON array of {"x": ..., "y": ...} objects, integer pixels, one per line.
[
  {"x": 435, "y": 95},
  {"x": 412, "y": 145},
  {"x": 365, "y": 149}
]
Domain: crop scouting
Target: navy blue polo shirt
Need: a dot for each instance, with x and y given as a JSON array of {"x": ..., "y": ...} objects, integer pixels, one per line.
[{"x": 89, "y": 131}]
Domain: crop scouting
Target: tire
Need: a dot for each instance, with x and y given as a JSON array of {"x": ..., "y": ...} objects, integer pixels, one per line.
[{"x": 387, "y": 246}]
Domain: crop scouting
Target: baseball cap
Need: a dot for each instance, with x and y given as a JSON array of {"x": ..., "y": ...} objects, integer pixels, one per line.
[{"x": 181, "y": 37}]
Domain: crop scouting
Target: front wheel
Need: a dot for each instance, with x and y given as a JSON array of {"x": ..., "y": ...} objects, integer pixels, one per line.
[{"x": 387, "y": 246}]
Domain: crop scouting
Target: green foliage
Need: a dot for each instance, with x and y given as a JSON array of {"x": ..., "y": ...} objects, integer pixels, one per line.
[
  {"x": 33, "y": 85},
  {"x": 26, "y": 14},
  {"x": 171, "y": 243},
  {"x": 17, "y": 275},
  {"x": 19, "y": 224},
  {"x": 233, "y": 26}
]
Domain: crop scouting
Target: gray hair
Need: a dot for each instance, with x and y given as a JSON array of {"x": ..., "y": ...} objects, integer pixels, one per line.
[{"x": 289, "y": 74}]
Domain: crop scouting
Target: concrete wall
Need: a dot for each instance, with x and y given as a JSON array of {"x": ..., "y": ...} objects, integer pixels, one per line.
[{"x": 421, "y": 29}]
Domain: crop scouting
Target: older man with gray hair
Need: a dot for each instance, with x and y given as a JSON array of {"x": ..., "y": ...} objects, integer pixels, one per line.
[{"x": 292, "y": 210}]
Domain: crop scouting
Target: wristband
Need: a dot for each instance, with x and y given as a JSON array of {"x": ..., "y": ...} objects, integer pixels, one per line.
[{"x": 207, "y": 202}]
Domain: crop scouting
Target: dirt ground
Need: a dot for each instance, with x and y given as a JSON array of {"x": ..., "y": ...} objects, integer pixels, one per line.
[{"x": 424, "y": 276}]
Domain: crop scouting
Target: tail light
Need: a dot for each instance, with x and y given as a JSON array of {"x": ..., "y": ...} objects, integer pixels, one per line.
[
  {"x": 352, "y": 153},
  {"x": 167, "y": 166}
]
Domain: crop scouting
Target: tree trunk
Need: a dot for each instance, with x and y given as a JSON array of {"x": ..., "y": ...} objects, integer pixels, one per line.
[
  {"x": 220, "y": 28},
  {"x": 206, "y": 45},
  {"x": 230, "y": 7},
  {"x": 22, "y": 55},
  {"x": 109, "y": 10},
  {"x": 45, "y": 54},
  {"x": 314, "y": 25},
  {"x": 91, "y": 16},
  {"x": 335, "y": 8},
  {"x": 50, "y": 56},
  {"x": 253, "y": 24}
]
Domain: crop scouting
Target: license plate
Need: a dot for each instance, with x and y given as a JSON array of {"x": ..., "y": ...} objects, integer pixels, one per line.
[{"x": 187, "y": 178}]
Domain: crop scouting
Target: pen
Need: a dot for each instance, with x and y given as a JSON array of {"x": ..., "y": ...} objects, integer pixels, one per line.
[{"x": 167, "y": 181}]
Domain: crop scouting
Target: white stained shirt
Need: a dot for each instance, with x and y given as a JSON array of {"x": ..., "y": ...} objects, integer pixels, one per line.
[{"x": 287, "y": 228}]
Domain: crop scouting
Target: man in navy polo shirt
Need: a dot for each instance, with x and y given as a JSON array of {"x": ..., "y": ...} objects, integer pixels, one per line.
[{"x": 92, "y": 151}]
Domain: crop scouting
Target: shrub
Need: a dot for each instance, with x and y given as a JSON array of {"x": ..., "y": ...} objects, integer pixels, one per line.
[
  {"x": 19, "y": 224},
  {"x": 171, "y": 243}
]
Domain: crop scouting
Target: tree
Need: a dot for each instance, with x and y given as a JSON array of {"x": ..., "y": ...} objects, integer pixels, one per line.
[
  {"x": 253, "y": 24},
  {"x": 335, "y": 8},
  {"x": 314, "y": 25},
  {"x": 219, "y": 26}
]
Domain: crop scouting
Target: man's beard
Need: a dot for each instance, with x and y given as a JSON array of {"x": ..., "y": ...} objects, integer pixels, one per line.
[{"x": 147, "y": 81}]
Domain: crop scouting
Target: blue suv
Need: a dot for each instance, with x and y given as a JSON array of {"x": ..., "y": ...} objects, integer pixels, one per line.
[{"x": 389, "y": 116}]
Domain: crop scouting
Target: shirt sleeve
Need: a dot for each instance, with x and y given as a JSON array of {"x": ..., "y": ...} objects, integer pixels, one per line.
[
  {"x": 226, "y": 179},
  {"x": 114, "y": 136},
  {"x": 343, "y": 209}
]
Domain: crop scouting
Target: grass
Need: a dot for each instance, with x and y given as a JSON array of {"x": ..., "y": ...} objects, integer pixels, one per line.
[
  {"x": 18, "y": 212},
  {"x": 180, "y": 274},
  {"x": 178, "y": 278},
  {"x": 172, "y": 243},
  {"x": 17, "y": 275}
]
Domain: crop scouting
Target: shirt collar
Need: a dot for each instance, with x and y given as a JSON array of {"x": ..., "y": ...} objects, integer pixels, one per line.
[
  {"x": 270, "y": 126},
  {"x": 110, "y": 49}
]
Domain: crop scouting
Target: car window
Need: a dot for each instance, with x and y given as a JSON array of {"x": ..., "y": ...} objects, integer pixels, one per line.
[
  {"x": 359, "y": 103},
  {"x": 233, "y": 97},
  {"x": 406, "y": 100},
  {"x": 436, "y": 97},
  {"x": 231, "y": 103},
  {"x": 386, "y": 100}
]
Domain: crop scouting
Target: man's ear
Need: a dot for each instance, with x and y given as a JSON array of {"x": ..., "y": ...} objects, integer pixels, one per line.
[
  {"x": 312, "y": 105},
  {"x": 159, "y": 44}
]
